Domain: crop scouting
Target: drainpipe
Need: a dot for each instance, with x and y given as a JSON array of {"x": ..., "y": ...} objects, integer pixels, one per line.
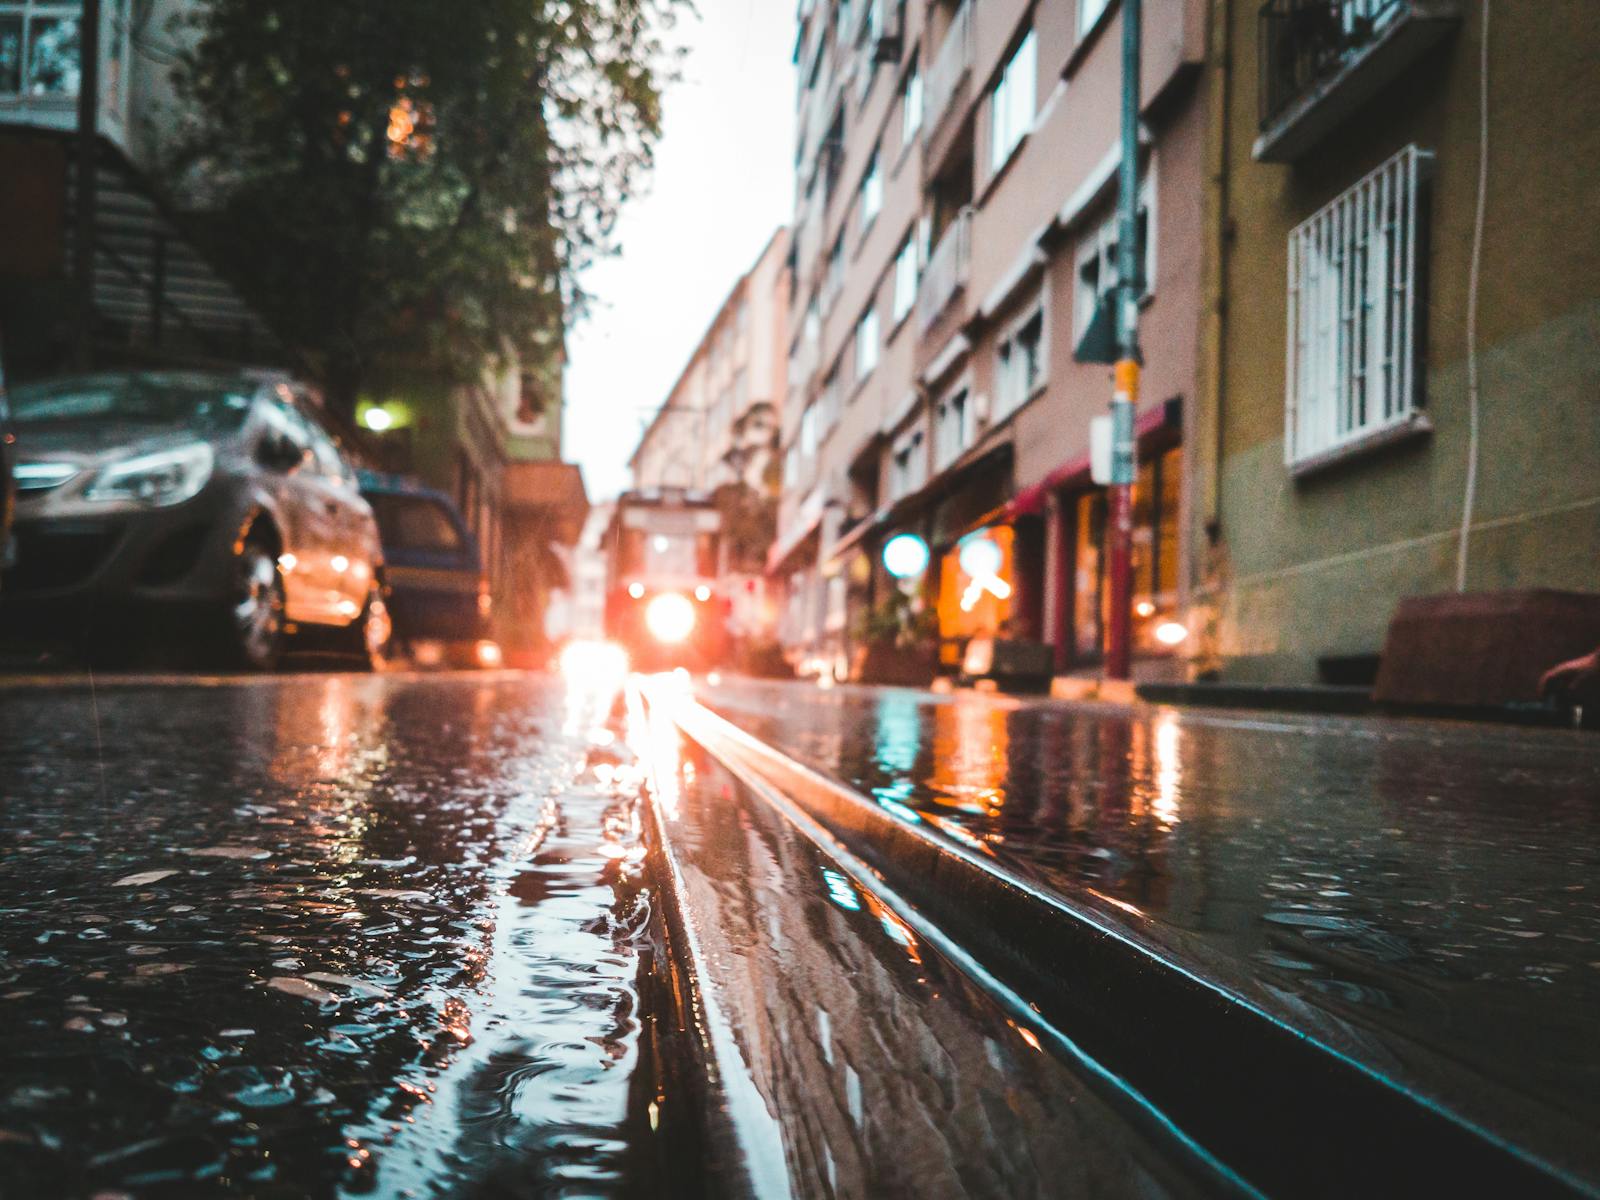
[
  {"x": 1213, "y": 390},
  {"x": 1125, "y": 388},
  {"x": 85, "y": 197}
]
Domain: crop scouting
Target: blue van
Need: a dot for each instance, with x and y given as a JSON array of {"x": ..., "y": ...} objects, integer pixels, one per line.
[{"x": 438, "y": 593}]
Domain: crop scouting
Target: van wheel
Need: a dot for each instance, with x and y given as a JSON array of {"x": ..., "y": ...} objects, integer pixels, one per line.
[{"x": 254, "y": 631}]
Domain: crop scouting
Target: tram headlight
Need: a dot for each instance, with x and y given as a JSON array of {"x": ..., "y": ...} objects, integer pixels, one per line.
[{"x": 670, "y": 618}]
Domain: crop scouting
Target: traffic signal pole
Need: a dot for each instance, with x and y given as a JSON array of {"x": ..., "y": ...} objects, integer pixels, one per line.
[
  {"x": 86, "y": 197},
  {"x": 1125, "y": 388}
]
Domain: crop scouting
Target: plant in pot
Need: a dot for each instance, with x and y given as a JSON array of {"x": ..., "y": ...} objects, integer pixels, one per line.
[{"x": 899, "y": 642}]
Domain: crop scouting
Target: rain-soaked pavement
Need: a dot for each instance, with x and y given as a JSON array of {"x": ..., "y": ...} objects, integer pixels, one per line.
[
  {"x": 1423, "y": 896},
  {"x": 311, "y": 936}
]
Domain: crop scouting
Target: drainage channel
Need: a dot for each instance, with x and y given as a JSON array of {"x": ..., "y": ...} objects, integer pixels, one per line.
[{"x": 1226, "y": 1094}]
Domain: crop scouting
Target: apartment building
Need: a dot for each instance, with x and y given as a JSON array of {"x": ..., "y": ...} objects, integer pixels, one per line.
[
  {"x": 153, "y": 295},
  {"x": 1376, "y": 332},
  {"x": 954, "y": 234},
  {"x": 717, "y": 430}
]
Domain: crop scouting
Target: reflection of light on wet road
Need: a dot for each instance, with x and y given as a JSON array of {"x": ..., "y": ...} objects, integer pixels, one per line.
[{"x": 1167, "y": 768}]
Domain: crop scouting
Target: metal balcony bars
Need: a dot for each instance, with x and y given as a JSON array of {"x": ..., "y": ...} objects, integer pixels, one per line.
[
  {"x": 946, "y": 273},
  {"x": 950, "y": 69},
  {"x": 1304, "y": 41}
]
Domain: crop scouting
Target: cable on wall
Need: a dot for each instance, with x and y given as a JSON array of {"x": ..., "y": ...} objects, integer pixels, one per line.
[{"x": 1463, "y": 546}]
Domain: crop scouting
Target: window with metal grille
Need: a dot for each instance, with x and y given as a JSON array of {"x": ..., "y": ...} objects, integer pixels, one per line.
[{"x": 1355, "y": 313}]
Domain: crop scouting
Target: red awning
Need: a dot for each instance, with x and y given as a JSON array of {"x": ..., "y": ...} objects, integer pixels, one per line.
[{"x": 1030, "y": 501}]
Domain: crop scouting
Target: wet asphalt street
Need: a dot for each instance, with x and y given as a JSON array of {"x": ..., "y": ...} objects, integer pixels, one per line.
[
  {"x": 314, "y": 935},
  {"x": 406, "y": 935}
]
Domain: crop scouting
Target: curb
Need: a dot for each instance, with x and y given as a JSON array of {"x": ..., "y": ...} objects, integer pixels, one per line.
[{"x": 1287, "y": 1112}]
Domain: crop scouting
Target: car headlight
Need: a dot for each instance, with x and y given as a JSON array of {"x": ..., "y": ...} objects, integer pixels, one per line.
[{"x": 159, "y": 479}]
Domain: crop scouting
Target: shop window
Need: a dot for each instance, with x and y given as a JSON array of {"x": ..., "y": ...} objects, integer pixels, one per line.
[
  {"x": 977, "y": 605},
  {"x": 1155, "y": 557}
]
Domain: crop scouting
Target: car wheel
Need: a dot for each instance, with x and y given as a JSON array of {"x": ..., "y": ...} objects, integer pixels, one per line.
[
  {"x": 255, "y": 632},
  {"x": 369, "y": 636}
]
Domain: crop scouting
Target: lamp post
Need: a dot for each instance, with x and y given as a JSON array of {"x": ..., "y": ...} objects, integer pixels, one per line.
[{"x": 1125, "y": 388}]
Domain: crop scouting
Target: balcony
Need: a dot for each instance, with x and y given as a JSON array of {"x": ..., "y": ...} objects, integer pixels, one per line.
[
  {"x": 950, "y": 71},
  {"x": 946, "y": 273},
  {"x": 40, "y": 66},
  {"x": 1322, "y": 59}
]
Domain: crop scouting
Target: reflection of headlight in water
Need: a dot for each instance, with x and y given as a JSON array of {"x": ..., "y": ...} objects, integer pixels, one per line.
[
  {"x": 594, "y": 664},
  {"x": 670, "y": 618}
]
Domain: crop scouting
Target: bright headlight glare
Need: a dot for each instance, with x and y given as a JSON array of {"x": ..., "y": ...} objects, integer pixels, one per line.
[{"x": 163, "y": 478}]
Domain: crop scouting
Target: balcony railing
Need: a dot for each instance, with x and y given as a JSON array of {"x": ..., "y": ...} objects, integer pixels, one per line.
[
  {"x": 1320, "y": 59},
  {"x": 949, "y": 71},
  {"x": 947, "y": 271}
]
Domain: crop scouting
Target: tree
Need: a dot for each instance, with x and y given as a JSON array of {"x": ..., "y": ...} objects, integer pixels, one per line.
[{"x": 414, "y": 182}]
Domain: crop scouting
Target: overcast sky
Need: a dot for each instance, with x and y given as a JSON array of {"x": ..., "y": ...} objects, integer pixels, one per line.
[{"x": 722, "y": 183}]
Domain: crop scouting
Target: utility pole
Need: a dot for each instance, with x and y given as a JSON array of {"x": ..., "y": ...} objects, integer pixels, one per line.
[
  {"x": 85, "y": 198},
  {"x": 1125, "y": 388}
]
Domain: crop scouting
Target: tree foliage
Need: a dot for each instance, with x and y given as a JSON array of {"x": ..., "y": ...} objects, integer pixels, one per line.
[{"x": 415, "y": 182}]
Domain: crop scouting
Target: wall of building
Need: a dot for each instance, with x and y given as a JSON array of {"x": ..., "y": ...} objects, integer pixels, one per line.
[
  {"x": 1314, "y": 567},
  {"x": 1028, "y": 219}
]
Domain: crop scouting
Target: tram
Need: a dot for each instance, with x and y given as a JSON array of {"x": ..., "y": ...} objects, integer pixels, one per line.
[{"x": 662, "y": 601}]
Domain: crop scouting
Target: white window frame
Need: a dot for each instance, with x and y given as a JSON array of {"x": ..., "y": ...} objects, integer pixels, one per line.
[
  {"x": 1089, "y": 13},
  {"x": 947, "y": 445},
  {"x": 1099, "y": 244},
  {"x": 871, "y": 192},
  {"x": 1012, "y": 388},
  {"x": 1352, "y": 373},
  {"x": 907, "y": 276},
  {"x": 911, "y": 113},
  {"x": 868, "y": 339},
  {"x": 908, "y": 462},
  {"x": 1014, "y": 102}
]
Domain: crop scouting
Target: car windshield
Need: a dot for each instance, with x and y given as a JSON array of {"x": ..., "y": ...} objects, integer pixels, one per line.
[
  {"x": 210, "y": 406},
  {"x": 415, "y": 523}
]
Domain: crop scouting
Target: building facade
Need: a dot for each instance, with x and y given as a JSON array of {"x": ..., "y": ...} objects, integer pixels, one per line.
[
  {"x": 1405, "y": 283},
  {"x": 717, "y": 430},
  {"x": 954, "y": 234}
]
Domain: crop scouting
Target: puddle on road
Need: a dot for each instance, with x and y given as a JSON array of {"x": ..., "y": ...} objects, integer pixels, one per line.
[{"x": 333, "y": 936}]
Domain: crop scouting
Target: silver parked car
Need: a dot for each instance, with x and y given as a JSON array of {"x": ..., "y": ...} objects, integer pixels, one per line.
[{"x": 216, "y": 493}]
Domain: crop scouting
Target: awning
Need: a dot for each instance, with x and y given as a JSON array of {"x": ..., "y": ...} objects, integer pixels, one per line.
[
  {"x": 1030, "y": 501},
  {"x": 552, "y": 486},
  {"x": 993, "y": 457}
]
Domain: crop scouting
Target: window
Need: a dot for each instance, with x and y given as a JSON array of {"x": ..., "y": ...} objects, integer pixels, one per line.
[
  {"x": 1088, "y": 13},
  {"x": 808, "y": 432},
  {"x": 828, "y": 403},
  {"x": 1353, "y": 299},
  {"x": 414, "y": 523},
  {"x": 905, "y": 280},
  {"x": 911, "y": 107},
  {"x": 867, "y": 342},
  {"x": 1097, "y": 260},
  {"x": 835, "y": 280},
  {"x": 1020, "y": 364},
  {"x": 1012, "y": 103},
  {"x": 39, "y": 48},
  {"x": 954, "y": 426},
  {"x": 871, "y": 193},
  {"x": 906, "y": 465}
]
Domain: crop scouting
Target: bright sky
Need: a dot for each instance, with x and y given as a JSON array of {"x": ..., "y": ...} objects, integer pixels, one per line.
[{"x": 723, "y": 181}]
